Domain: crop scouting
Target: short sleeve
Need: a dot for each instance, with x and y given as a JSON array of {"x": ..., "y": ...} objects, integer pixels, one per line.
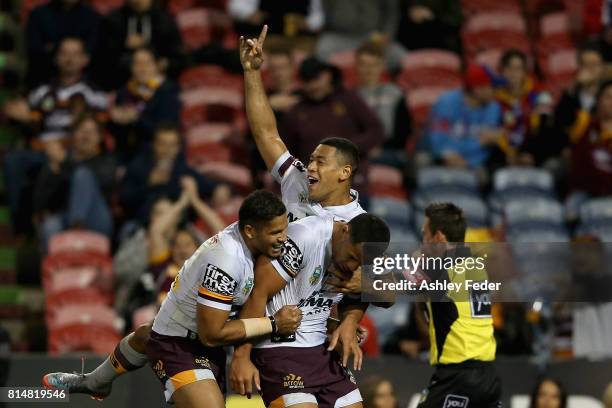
[
  {"x": 291, "y": 260},
  {"x": 219, "y": 282},
  {"x": 291, "y": 174}
]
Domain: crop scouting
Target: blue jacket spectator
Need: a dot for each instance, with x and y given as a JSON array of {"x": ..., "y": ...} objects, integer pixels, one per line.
[
  {"x": 157, "y": 173},
  {"x": 48, "y": 25},
  {"x": 464, "y": 123}
]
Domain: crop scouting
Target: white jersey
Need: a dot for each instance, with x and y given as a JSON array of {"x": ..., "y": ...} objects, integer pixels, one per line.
[
  {"x": 290, "y": 173},
  {"x": 303, "y": 264},
  {"x": 219, "y": 275}
]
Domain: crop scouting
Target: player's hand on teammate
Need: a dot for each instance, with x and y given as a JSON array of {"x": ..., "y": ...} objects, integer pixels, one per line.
[
  {"x": 243, "y": 374},
  {"x": 288, "y": 319},
  {"x": 345, "y": 336},
  {"x": 343, "y": 284},
  {"x": 251, "y": 51}
]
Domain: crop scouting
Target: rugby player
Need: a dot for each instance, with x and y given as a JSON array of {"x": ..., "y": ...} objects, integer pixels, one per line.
[
  {"x": 302, "y": 371},
  {"x": 325, "y": 190},
  {"x": 193, "y": 320},
  {"x": 460, "y": 324}
]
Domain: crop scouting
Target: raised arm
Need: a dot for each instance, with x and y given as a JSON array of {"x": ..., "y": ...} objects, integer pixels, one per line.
[{"x": 259, "y": 113}]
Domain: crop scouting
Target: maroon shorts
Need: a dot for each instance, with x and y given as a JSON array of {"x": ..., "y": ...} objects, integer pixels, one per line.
[
  {"x": 304, "y": 370},
  {"x": 178, "y": 361}
]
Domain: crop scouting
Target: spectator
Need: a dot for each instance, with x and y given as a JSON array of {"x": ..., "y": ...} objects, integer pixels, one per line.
[
  {"x": 48, "y": 25},
  {"x": 158, "y": 173},
  {"x": 378, "y": 392},
  {"x": 388, "y": 102},
  {"x": 284, "y": 18},
  {"x": 466, "y": 122},
  {"x": 526, "y": 113},
  {"x": 548, "y": 393},
  {"x": 147, "y": 100},
  {"x": 137, "y": 24},
  {"x": 73, "y": 190},
  {"x": 430, "y": 24},
  {"x": 591, "y": 153},
  {"x": 349, "y": 23},
  {"x": 283, "y": 95},
  {"x": 51, "y": 108},
  {"x": 327, "y": 110},
  {"x": 579, "y": 101}
]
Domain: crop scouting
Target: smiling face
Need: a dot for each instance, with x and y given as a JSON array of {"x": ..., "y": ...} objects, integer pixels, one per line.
[
  {"x": 183, "y": 247},
  {"x": 549, "y": 395},
  {"x": 268, "y": 237},
  {"x": 325, "y": 173}
]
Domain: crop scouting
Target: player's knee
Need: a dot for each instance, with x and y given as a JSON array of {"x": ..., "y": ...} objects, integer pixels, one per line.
[{"x": 140, "y": 338}]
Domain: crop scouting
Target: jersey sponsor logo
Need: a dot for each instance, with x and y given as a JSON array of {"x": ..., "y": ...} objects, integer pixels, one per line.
[
  {"x": 299, "y": 165},
  {"x": 217, "y": 285},
  {"x": 317, "y": 303},
  {"x": 480, "y": 303},
  {"x": 291, "y": 258},
  {"x": 455, "y": 401},
  {"x": 293, "y": 381},
  {"x": 303, "y": 197},
  {"x": 202, "y": 362},
  {"x": 314, "y": 278}
]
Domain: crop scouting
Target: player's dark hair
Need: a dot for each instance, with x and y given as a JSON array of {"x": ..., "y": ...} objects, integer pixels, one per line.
[
  {"x": 347, "y": 150},
  {"x": 509, "y": 55},
  {"x": 260, "y": 206},
  {"x": 562, "y": 392},
  {"x": 371, "y": 230},
  {"x": 448, "y": 219}
]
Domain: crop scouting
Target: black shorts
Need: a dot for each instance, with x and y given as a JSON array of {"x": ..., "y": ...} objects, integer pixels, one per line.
[
  {"x": 179, "y": 361},
  {"x": 293, "y": 375},
  {"x": 465, "y": 385}
]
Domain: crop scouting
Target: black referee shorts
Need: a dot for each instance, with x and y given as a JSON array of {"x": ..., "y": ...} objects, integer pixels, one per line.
[{"x": 471, "y": 384}]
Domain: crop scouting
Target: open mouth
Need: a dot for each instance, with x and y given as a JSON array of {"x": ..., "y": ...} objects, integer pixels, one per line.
[{"x": 312, "y": 180}]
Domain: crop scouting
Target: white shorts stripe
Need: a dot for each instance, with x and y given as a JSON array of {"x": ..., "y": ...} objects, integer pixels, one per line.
[
  {"x": 200, "y": 374},
  {"x": 351, "y": 398},
  {"x": 298, "y": 398}
]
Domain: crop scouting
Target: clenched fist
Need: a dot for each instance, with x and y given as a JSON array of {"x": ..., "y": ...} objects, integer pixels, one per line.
[{"x": 288, "y": 319}]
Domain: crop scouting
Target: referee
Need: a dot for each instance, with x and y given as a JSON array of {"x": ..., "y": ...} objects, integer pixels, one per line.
[{"x": 460, "y": 323}]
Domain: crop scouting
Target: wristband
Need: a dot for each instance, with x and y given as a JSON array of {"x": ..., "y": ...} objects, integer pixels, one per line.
[
  {"x": 257, "y": 326},
  {"x": 273, "y": 323}
]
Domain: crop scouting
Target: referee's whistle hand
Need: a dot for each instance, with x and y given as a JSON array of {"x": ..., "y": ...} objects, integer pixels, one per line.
[{"x": 288, "y": 319}]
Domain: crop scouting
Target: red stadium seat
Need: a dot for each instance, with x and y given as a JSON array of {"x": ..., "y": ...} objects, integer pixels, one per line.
[
  {"x": 71, "y": 278},
  {"x": 82, "y": 314},
  {"x": 478, "y": 6},
  {"x": 430, "y": 67},
  {"x": 495, "y": 21},
  {"x": 200, "y": 26},
  {"x": 236, "y": 174},
  {"x": 209, "y": 133},
  {"x": 198, "y": 154},
  {"x": 209, "y": 75},
  {"x": 27, "y": 6},
  {"x": 476, "y": 42},
  {"x": 561, "y": 63},
  {"x": 104, "y": 7},
  {"x": 176, "y": 6},
  {"x": 83, "y": 296},
  {"x": 385, "y": 181},
  {"x": 83, "y": 337},
  {"x": 490, "y": 58},
  {"x": 75, "y": 260},
  {"x": 551, "y": 44},
  {"x": 211, "y": 104},
  {"x": 554, "y": 23},
  {"x": 79, "y": 241},
  {"x": 345, "y": 60}
]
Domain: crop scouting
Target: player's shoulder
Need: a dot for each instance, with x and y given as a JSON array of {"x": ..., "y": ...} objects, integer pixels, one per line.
[
  {"x": 285, "y": 164},
  {"x": 225, "y": 248},
  {"x": 310, "y": 228}
]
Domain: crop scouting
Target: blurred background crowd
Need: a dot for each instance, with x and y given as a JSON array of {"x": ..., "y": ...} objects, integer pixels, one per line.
[{"x": 124, "y": 145}]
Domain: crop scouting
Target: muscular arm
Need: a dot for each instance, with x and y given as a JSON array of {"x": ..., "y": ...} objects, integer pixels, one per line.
[
  {"x": 259, "y": 113},
  {"x": 214, "y": 329},
  {"x": 267, "y": 283}
]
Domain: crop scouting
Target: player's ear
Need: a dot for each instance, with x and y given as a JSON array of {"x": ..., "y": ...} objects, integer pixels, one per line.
[
  {"x": 249, "y": 231},
  {"x": 346, "y": 172}
]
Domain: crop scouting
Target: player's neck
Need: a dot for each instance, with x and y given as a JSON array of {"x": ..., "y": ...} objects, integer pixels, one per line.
[{"x": 342, "y": 197}]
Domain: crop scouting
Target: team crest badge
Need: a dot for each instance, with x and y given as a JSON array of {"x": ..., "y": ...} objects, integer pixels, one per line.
[
  {"x": 247, "y": 287},
  {"x": 314, "y": 278}
]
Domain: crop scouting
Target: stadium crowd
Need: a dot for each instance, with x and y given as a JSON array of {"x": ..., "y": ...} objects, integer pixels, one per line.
[{"x": 127, "y": 119}]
